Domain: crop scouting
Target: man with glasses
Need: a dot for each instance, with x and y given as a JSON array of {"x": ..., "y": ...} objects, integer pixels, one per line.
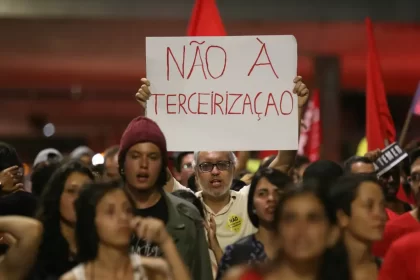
[{"x": 214, "y": 173}]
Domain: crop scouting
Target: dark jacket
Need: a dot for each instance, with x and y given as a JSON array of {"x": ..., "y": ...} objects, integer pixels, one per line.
[{"x": 185, "y": 225}]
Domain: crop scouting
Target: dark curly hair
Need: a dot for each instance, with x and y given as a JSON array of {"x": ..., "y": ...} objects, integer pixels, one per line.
[{"x": 54, "y": 250}]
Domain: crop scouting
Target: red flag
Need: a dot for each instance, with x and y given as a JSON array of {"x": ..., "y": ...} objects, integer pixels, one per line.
[
  {"x": 205, "y": 20},
  {"x": 379, "y": 124},
  {"x": 415, "y": 104},
  {"x": 310, "y": 136}
]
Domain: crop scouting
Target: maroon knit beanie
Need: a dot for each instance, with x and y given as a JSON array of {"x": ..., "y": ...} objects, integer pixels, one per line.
[{"x": 140, "y": 130}]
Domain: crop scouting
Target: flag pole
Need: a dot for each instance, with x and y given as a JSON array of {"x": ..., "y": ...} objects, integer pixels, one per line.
[{"x": 405, "y": 128}]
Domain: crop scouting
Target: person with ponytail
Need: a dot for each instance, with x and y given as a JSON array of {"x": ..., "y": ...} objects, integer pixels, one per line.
[{"x": 359, "y": 202}]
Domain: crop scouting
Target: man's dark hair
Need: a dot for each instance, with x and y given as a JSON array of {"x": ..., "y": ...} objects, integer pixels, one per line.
[
  {"x": 355, "y": 159},
  {"x": 178, "y": 160},
  {"x": 300, "y": 161},
  {"x": 8, "y": 156},
  {"x": 326, "y": 172},
  {"x": 86, "y": 233}
]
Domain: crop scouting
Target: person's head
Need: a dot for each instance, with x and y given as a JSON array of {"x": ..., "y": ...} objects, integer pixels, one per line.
[
  {"x": 326, "y": 172},
  {"x": 47, "y": 156},
  {"x": 358, "y": 164},
  {"x": 414, "y": 177},
  {"x": 111, "y": 163},
  {"x": 143, "y": 158},
  {"x": 192, "y": 198},
  {"x": 360, "y": 206},
  {"x": 41, "y": 174},
  {"x": 104, "y": 212},
  {"x": 214, "y": 171},
  {"x": 390, "y": 182},
  {"x": 57, "y": 199},
  {"x": 305, "y": 223},
  {"x": 8, "y": 157},
  {"x": 183, "y": 167},
  {"x": 83, "y": 154},
  {"x": 301, "y": 163},
  {"x": 266, "y": 188}
]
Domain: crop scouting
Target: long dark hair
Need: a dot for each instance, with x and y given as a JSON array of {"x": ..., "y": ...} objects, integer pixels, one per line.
[
  {"x": 334, "y": 264},
  {"x": 87, "y": 238},
  {"x": 54, "y": 250}
]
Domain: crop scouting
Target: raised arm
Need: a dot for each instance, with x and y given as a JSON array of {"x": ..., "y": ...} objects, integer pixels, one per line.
[
  {"x": 285, "y": 159},
  {"x": 153, "y": 230},
  {"x": 21, "y": 255}
]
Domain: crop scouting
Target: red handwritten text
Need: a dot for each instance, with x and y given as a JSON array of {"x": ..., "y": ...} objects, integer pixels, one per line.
[
  {"x": 229, "y": 103},
  {"x": 256, "y": 63},
  {"x": 201, "y": 61}
]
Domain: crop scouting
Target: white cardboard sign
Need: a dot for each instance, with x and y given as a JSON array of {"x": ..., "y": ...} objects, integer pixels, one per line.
[{"x": 231, "y": 93}]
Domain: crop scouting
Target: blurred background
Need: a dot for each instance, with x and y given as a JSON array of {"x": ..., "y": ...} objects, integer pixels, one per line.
[{"x": 69, "y": 69}]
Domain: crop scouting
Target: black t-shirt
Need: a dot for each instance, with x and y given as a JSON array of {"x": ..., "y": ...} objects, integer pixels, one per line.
[{"x": 158, "y": 211}]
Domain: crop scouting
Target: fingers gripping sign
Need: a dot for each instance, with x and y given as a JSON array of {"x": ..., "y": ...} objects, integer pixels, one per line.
[{"x": 143, "y": 94}]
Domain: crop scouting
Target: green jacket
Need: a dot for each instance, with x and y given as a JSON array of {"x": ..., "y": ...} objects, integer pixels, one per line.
[{"x": 185, "y": 225}]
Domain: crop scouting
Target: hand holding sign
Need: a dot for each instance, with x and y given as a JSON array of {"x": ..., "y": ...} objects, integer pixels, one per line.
[
  {"x": 373, "y": 155},
  {"x": 388, "y": 158},
  {"x": 301, "y": 90},
  {"x": 143, "y": 94}
]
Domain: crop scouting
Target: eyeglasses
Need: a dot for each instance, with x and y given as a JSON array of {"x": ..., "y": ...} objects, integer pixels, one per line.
[{"x": 208, "y": 166}]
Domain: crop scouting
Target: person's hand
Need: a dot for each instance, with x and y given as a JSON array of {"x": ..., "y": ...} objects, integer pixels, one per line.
[
  {"x": 143, "y": 94},
  {"x": 11, "y": 179},
  {"x": 211, "y": 233},
  {"x": 301, "y": 90},
  {"x": 373, "y": 155},
  {"x": 150, "y": 229},
  {"x": 6, "y": 238}
]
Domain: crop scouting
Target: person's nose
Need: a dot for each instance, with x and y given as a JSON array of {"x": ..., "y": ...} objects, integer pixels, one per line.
[{"x": 215, "y": 171}]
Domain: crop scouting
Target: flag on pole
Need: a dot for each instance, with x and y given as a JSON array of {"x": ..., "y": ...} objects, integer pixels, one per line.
[
  {"x": 205, "y": 20},
  {"x": 380, "y": 130},
  {"x": 310, "y": 135},
  {"x": 415, "y": 104}
]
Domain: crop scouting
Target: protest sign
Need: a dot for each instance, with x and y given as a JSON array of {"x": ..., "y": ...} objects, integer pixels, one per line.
[
  {"x": 224, "y": 93},
  {"x": 390, "y": 157}
]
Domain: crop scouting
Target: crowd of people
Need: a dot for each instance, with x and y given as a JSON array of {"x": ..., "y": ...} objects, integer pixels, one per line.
[{"x": 207, "y": 218}]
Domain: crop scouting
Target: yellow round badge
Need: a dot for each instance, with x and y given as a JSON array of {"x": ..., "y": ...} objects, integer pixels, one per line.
[{"x": 234, "y": 223}]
